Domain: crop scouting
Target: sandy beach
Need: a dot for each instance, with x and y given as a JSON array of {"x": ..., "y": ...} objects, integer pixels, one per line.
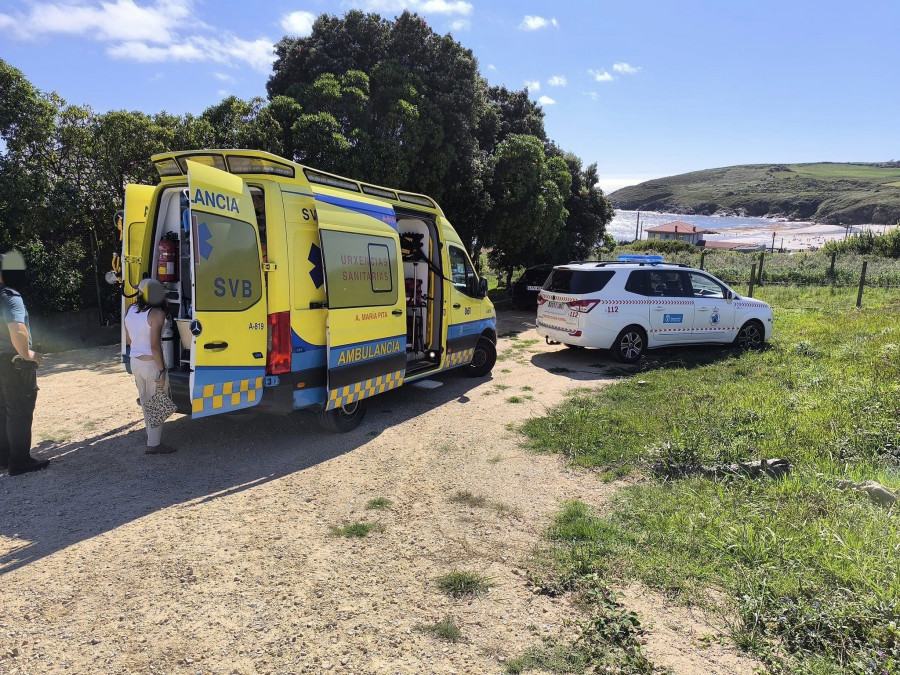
[{"x": 794, "y": 236}]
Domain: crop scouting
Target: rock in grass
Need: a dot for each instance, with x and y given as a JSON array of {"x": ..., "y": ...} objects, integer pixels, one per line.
[{"x": 875, "y": 491}]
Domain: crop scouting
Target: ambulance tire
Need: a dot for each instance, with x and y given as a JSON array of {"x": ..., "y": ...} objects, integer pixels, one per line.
[
  {"x": 342, "y": 420},
  {"x": 630, "y": 345},
  {"x": 483, "y": 359}
]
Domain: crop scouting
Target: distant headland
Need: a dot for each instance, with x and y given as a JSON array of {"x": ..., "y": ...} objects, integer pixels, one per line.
[{"x": 833, "y": 193}]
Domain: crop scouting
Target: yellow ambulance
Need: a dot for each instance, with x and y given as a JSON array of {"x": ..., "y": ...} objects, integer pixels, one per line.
[{"x": 290, "y": 288}]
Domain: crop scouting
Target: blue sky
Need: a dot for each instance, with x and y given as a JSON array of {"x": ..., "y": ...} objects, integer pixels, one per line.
[{"x": 643, "y": 89}]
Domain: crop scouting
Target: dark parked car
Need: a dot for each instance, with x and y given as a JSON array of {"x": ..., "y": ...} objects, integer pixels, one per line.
[{"x": 525, "y": 289}]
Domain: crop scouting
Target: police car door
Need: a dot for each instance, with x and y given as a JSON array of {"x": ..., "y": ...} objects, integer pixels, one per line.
[
  {"x": 671, "y": 307},
  {"x": 228, "y": 305},
  {"x": 366, "y": 324}
]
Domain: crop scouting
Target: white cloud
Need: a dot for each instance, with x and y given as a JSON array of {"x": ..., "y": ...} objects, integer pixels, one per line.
[
  {"x": 558, "y": 81},
  {"x": 298, "y": 23},
  {"x": 461, "y": 24},
  {"x": 154, "y": 32},
  {"x": 492, "y": 67},
  {"x": 223, "y": 77},
  {"x": 532, "y": 85},
  {"x": 593, "y": 95},
  {"x": 546, "y": 100},
  {"x": 420, "y": 6},
  {"x": 601, "y": 75},
  {"x": 537, "y": 22},
  {"x": 120, "y": 21},
  {"x": 228, "y": 51},
  {"x": 626, "y": 68}
]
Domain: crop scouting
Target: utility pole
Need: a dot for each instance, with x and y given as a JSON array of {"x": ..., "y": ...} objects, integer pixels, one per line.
[
  {"x": 773, "y": 241},
  {"x": 637, "y": 225}
]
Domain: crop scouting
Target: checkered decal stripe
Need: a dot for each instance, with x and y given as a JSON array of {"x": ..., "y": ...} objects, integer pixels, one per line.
[
  {"x": 459, "y": 358},
  {"x": 692, "y": 330},
  {"x": 224, "y": 396},
  {"x": 354, "y": 392}
]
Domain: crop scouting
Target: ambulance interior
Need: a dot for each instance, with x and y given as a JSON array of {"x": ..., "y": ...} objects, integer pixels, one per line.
[
  {"x": 421, "y": 256},
  {"x": 172, "y": 233}
]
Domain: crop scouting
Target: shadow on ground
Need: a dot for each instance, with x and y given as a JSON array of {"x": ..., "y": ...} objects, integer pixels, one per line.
[{"x": 96, "y": 484}]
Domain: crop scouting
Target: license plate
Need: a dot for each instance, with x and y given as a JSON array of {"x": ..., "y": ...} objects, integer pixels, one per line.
[
  {"x": 534, "y": 288},
  {"x": 553, "y": 304}
]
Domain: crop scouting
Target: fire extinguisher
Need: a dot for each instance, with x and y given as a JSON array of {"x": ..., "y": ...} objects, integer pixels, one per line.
[{"x": 167, "y": 258}]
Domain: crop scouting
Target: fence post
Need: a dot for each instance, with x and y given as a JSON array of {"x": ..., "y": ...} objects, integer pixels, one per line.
[
  {"x": 752, "y": 278},
  {"x": 831, "y": 269},
  {"x": 762, "y": 257},
  {"x": 702, "y": 257},
  {"x": 862, "y": 282}
]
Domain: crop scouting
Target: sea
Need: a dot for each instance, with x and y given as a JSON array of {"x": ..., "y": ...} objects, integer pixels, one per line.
[{"x": 623, "y": 223}]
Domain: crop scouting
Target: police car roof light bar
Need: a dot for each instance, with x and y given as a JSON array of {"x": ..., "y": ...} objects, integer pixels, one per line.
[{"x": 635, "y": 258}]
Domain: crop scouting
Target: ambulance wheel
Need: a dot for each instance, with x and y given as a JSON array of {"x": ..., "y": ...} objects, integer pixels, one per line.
[
  {"x": 341, "y": 420},
  {"x": 483, "y": 359},
  {"x": 630, "y": 345}
]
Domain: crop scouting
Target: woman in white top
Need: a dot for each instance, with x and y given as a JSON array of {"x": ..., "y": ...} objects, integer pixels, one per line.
[{"x": 143, "y": 336}]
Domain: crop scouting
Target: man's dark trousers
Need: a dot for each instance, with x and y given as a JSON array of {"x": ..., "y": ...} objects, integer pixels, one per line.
[{"x": 18, "y": 395}]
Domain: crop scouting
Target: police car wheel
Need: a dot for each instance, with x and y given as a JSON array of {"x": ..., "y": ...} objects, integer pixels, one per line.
[
  {"x": 750, "y": 336},
  {"x": 630, "y": 345},
  {"x": 483, "y": 359},
  {"x": 344, "y": 419}
]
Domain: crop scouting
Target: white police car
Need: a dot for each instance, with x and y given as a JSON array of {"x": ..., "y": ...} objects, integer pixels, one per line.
[{"x": 640, "y": 302}]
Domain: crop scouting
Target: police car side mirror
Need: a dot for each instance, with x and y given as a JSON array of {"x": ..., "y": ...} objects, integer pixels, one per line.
[
  {"x": 482, "y": 288},
  {"x": 728, "y": 294}
]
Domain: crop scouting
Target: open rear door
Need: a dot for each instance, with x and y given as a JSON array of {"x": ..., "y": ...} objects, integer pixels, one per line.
[
  {"x": 228, "y": 301},
  {"x": 366, "y": 311}
]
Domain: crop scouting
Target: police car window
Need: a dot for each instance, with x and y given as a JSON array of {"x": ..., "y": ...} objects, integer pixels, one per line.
[
  {"x": 577, "y": 282},
  {"x": 667, "y": 284},
  {"x": 462, "y": 275},
  {"x": 704, "y": 287},
  {"x": 638, "y": 282},
  {"x": 226, "y": 264},
  {"x": 359, "y": 269}
]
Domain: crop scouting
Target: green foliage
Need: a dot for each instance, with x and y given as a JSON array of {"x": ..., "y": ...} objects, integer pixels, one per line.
[
  {"x": 886, "y": 245},
  {"x": 445, "y": 629},
  {"x": 831, "y": 193},
  {"x": 460, "y": 584},
  {"x": 805, "y": 568},
  {"x": 356, "y": 530},
  {"x": 469, "y": 499},
  {"x": 662, "y": 246},
  {"x": 379, "y": 503}
]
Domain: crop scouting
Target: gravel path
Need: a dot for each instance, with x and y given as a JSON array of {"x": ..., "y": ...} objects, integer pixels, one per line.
[{"x": 220, "y": 558}]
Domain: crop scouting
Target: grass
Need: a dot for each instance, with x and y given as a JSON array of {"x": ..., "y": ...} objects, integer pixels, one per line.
[
  {"x": 56, "y": 435},
  {"x": 807, "y": 575},
  {"x": 469, "y": 499},
  {"x": 445, "y": 629},
  {"x": 378, "y": 503},
  {"x": 461, "y": 584},
  {"x": 356, "y": 530}
]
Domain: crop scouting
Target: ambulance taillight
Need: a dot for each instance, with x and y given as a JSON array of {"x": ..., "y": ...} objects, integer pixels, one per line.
[{"x": 278, "y": 358}]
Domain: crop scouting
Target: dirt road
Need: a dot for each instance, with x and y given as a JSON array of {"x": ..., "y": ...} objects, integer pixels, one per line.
[{"x": 220, "y": 558}]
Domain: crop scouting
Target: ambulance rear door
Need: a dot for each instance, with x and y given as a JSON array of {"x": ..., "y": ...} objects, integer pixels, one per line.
[
  {"x": 228, "y": 302},
  {"x": 366, "y": 324}
]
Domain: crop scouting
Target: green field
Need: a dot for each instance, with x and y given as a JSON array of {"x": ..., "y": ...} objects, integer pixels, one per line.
[
  {"x": 826, "y": 192},
  {"x": 806, "y": 576}
]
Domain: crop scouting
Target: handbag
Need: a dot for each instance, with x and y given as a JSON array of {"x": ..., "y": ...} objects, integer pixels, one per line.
[{"x": 159, "y": 408}]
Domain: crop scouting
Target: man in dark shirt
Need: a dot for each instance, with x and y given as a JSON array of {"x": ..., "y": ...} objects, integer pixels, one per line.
[{"x": 18, "y": 373}]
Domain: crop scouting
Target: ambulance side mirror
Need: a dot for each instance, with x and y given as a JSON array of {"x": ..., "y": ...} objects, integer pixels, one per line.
[{"x": 482, "y": 288}]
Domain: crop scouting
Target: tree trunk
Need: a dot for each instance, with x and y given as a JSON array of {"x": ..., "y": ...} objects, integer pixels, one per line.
[{"x": 509, "y": 274}]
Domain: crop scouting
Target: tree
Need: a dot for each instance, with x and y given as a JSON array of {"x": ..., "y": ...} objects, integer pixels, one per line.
[
  {"x": 529, "y": 193},
  {"x": 589, "y": 213}
]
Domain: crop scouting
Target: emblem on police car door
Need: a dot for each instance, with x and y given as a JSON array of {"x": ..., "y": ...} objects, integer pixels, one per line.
[{"x": 196, "y": 328}]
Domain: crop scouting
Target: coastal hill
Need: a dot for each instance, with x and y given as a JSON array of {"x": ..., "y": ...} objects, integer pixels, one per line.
[{"x": 829, "y": 192}]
